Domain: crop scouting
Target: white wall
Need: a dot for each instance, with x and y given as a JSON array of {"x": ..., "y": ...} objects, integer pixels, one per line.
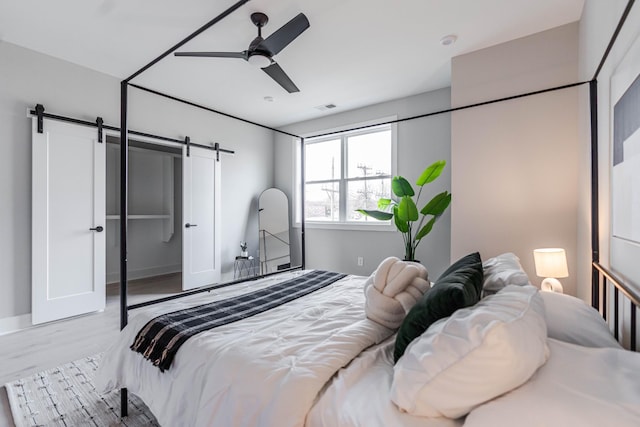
[
  {"x": 420, "y": 142},
  {"x": 27, "y": 78},
  {"x": 515, "y": 163},
  {"x": 599, "y": 20}
]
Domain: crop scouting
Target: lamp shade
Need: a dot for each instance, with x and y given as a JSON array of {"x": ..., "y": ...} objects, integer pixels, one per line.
[{"x": 551, "y": 262}]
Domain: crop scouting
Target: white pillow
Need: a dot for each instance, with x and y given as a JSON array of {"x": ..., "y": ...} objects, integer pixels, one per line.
[
  {"x": 501, "y": 271},
  {"x": 473, "y": 356},
  {"x": 578, "y": 386},
  {"x": 570, "y": 319}
]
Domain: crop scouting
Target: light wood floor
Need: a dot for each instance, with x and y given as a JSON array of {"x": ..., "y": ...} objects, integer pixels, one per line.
[{"x": 46, "y": 346}]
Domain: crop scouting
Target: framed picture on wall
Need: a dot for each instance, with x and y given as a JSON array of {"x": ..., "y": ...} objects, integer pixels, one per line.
[{"x": 625, "y": 165}]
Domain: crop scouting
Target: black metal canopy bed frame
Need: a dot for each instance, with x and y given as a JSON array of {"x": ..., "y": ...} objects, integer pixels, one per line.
[{"x": 607, "y": 288}]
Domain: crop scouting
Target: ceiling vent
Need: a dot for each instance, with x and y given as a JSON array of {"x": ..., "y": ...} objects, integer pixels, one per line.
[{"x": 325, "y": 107}]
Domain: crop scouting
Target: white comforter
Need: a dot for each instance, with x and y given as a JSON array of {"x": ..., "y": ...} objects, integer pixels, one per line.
[
  {"x": 359, "y": 396},
  {"x": 262, "y": 371}
]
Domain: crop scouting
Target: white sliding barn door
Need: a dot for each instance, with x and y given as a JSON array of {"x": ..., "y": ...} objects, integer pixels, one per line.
[
  {"x": 201, "y": 218},
  {"x": 68, "y": 219}
]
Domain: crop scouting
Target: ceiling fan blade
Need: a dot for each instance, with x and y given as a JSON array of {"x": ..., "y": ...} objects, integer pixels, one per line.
[
  {"x": 240, "y": 55},
  {"x": 285, "y": 34},
  {"x": 276, "y": 73}
]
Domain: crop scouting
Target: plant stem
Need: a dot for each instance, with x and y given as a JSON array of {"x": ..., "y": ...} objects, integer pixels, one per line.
[
  {"x": 419, "y": 193},
  {"x": 409, "y": 245},
  {"x": 421, "y": 219},
  {"x": 420, "y": 225}
]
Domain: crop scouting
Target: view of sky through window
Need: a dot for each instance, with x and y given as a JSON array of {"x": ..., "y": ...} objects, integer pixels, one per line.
[{"x": 347, "y": 172}]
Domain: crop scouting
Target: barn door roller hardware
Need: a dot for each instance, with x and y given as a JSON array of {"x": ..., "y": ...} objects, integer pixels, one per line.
[
  {"x": 39, "y": 114},
  {"x": 99, "y": 123}
]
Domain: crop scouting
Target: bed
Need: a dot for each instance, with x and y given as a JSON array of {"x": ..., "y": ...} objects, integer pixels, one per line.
[
  {"x": 320, "y": 361},
  {"x": 326, "y": 360}
]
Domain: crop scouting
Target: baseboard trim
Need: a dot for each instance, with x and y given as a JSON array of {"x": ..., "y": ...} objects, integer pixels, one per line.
[
  {"x": 15, "y": 323},
  {"x": 143, "y": 273}
]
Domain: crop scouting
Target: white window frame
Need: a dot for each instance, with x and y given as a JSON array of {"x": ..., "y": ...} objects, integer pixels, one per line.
[{"x": 373, "y": 225}]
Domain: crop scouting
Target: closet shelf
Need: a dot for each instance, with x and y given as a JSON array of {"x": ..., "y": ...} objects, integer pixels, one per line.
[
  {"x": 141, "y": 216},
  {"x": 158, "y": 200}
]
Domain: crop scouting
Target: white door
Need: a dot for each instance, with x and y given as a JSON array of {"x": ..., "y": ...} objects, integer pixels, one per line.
[
  {"x": 201, "y": 218},
  {"x": 68, "y": 220}
]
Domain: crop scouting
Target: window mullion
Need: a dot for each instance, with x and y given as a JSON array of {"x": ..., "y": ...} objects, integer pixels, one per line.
[{"x": 343, "y": 182}]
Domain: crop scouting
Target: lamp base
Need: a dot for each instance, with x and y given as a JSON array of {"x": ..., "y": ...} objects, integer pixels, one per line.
[{"x": 551, "y": 284}]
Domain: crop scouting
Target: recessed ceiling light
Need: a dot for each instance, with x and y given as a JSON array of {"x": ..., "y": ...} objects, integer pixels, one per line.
[
  {"x": 268, "y": 98},
  {"x": 448, "y": 40}
]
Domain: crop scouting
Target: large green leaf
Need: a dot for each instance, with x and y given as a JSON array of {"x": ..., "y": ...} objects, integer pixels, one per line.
[
  {"x": 382, "y": 216},
  {"x": 426, "y": 229},
  {"x": 431, "y": 173},
  {"x": 385, "y": 203},
  {"x": 437, "y": 205},
  {"x": 407, "y": 209},
  {"x": 401, "y": 187},
  {"x": 402, "y": 226}
]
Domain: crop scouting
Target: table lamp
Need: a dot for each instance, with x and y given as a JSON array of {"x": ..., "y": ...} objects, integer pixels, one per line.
[{"x": 551, "y": 263}]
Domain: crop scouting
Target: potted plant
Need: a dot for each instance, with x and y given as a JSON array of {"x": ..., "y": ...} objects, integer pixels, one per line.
[{"x": 404, "y": 210}]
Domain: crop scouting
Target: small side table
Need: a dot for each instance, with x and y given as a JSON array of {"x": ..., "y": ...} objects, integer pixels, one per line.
[{"x": 244, "y": 266}]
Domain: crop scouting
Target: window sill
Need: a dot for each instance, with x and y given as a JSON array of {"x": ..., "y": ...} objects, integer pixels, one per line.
[{"x": 347, "y": 226}]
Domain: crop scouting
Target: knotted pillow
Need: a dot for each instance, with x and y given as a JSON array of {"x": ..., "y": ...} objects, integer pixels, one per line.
[{"x": 393, "y": 289}]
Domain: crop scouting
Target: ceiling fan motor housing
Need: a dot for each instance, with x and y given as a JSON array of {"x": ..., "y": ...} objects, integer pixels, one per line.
[{"x": 255, "y": 55}]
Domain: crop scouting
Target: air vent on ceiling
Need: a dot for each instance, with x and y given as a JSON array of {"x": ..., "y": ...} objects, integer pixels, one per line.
[{"x": 326, "y": 107}]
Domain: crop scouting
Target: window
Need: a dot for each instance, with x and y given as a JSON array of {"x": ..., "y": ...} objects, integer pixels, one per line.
[{"x": 348, "y": 171}]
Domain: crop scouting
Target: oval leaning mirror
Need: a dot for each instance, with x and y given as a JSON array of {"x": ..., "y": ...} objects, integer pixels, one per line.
[{"x": 273, "y": 238}]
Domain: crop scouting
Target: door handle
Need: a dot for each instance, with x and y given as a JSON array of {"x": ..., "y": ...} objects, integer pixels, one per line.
[
  {"x": 187, "y": 225},
  {"x": 98, "y": 229}
]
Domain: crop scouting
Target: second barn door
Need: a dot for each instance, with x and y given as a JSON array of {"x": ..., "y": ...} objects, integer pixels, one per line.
[{"x": 201, "y": 218}]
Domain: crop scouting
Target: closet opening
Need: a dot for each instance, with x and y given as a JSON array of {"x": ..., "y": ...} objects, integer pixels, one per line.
[{"x": 155, "y": 219}]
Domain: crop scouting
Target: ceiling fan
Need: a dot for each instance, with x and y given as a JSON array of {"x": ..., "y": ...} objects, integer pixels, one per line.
[{"x": 261, "y": 51}]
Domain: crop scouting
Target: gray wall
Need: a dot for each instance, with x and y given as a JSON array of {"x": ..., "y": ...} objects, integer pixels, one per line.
[
  {"x": 27, "y": 78},
  {"x": 515, "y": 163},
  {"x": 420, "y": 142}
]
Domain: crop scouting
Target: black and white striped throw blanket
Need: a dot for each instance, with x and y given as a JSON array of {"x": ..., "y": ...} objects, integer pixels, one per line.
[{"x": 161, "y": 337}]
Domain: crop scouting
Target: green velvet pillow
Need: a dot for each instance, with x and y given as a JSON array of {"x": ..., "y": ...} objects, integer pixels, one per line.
[{"x": 458, "y": 287}]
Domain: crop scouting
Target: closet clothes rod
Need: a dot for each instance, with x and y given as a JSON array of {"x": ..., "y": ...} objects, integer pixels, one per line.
[{"x": 39, "y": 112}]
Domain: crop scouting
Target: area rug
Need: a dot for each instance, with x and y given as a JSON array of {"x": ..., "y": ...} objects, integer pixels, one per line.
[{"x": 65, "y": 396}]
